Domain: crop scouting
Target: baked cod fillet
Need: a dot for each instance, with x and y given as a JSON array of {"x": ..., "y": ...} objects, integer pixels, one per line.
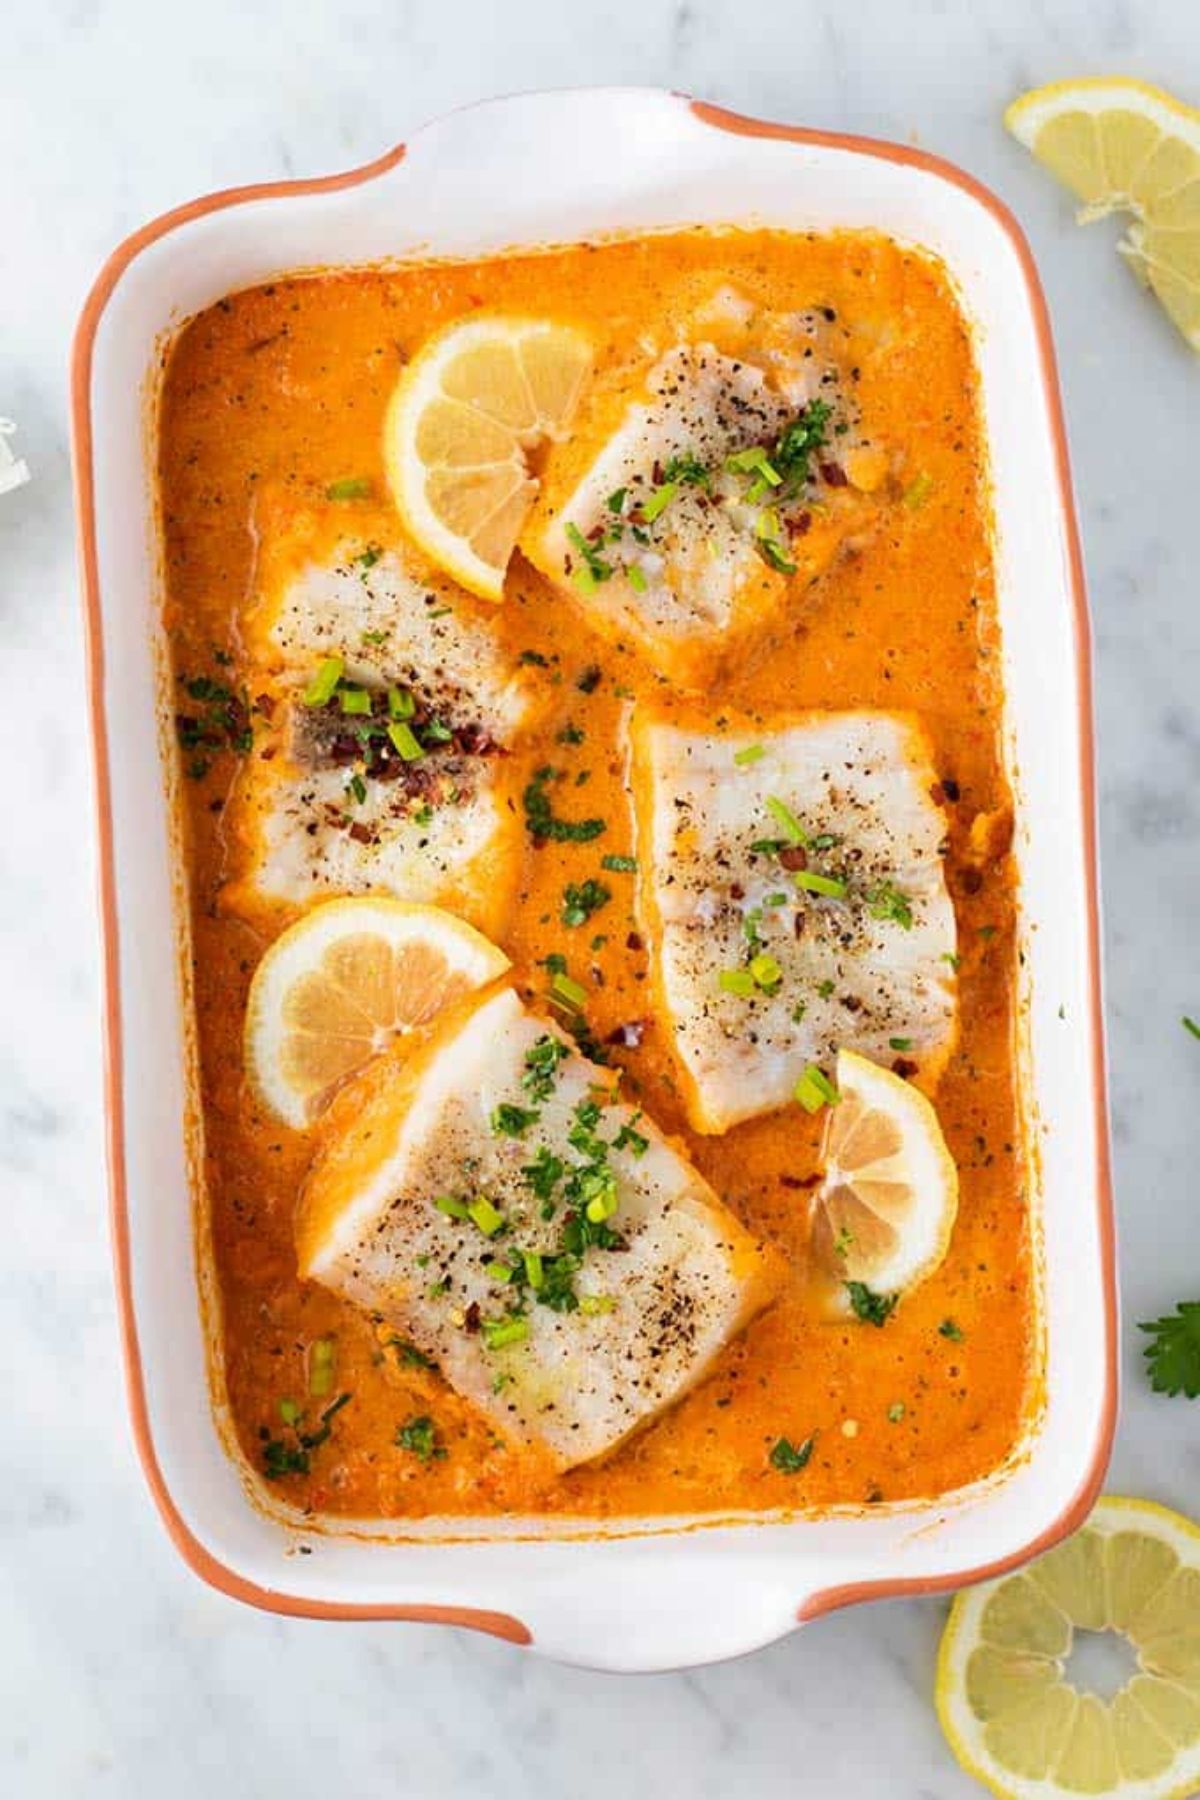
[
  {"x": 793, "y": 893},
  {"x": 569, "y": 1272},
  {"x": 385, "y": 706},
  {"x": 696, "y": 489}
]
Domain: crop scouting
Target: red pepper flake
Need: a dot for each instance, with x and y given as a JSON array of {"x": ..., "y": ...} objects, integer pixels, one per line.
[
  {"x": 833, "y": 475},
  {"x": 793, "y": 857}
]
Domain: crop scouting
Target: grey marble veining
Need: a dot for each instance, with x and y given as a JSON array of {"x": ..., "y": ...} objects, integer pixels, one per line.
[{"x": 119, "y": 1673}]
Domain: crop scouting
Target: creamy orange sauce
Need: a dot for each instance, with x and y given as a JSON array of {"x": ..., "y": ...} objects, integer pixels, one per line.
[{"x": 285, "y": 386}]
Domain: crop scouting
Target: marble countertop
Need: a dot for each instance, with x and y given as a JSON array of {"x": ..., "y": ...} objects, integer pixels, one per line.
[{"x": 119, "y": 1673}]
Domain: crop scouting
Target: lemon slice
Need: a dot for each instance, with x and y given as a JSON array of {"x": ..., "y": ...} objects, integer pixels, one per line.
[
  {"x": 343, "y": 982},
  {"x": 1123, "y": 146},
  {"x": 469, "y": 409},
  {"x": 1009, "y": 1705},
  {"x": 888, "y": 1198}
]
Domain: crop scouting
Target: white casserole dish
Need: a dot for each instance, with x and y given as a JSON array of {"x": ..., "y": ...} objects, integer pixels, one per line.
[{"x": 534, "y": 169}]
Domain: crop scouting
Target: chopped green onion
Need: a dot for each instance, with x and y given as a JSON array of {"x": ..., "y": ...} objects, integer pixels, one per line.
[
  {"x": 659, "y": 501},
  {"x": 736, "y": 981},
  {"x": 570, "y": 992},
  {"x": 591, "y": 1304},
  {"x": 358, "y": 787},
  {"x": 812, "y": 883},
  {"x": 619, "y": 865},
  {"x": 499, "y": 1332},
  {"x": 815, "y": 1090},
  {"x": 918, "y": 491},
  {"x": 401, "y": 704},
  {"x": 350, "y": 487},
  {"x": 584, "y": 580},
  {"x": 324, "y": 683},
  {"x": 754, "y": 461},
  {"x": 616, "y": 501},
  {"x": 949, "y": 1328},
  {"x": 452, "y": 1207},
  {"x": 320, "y": 1372},
  {"x": 751, "y": 754},
  {"x": 405, "y": 740},
  {"x": 602, "y": 1206},
  {"x": 786, "y": 820},
  {"x": 765, "y": 972},
  {"x": 482, "y": 1213},
  {"x": 498, "y": 1271},
  {"x": 776, "y": 556},
  {"x": 637, "y": 578},
  {"x": 535, "y": 1273},
  {"x": 895, "y": 1412},
  {"x": 289, "y": 1412},
  {"x": 355, "y": 700}
]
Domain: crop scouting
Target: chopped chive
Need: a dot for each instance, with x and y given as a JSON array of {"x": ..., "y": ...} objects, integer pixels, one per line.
[
  {"x": 736, "y": 981},
  {"x": 324, "y": 683},
  {"x": 535, "y": 1272},
  {"x": 637, "y": 578},
  {"x": 899, "y": 1043},
  {"x": 483, "y": 1214},
  {"x": 815, "y": 1090},
  {"x": 350, "y": 487},
  {"x": 355, "y": 700},
  {"x": 452, "y": 1207},
  {"x": 776, "y": 556},
  {"x": 786, "y": 820},
  {"x": 659, "y": 501},
  {"x": 405, "y": 740},
  {"x": 619, "y": 865},
  {"x": 498, "y": 1271},
  {"x": 812, "y": 883},
  {"x": 751, "y": 754},
  {"x": 570, "y": 992},
  {"x": 401, "y": 704},
  {"x": 499, "y": 1332},
  {"x": 765, "y": 972}
]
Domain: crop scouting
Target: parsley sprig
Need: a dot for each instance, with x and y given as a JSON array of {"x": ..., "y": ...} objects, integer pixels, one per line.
[{"x": 1173, "y": 1353}]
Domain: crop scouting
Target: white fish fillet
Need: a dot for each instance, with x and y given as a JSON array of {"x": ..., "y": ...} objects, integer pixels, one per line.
[
  {"x": 688, "y": 582},
  {"x": 710, "y": 902},
  {"x": 653, "y": 1312},
  {"x": 304, "y": 822}
]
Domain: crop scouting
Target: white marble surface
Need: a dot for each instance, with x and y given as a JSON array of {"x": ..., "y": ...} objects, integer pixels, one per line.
[{"x": 119, "y": 1673}]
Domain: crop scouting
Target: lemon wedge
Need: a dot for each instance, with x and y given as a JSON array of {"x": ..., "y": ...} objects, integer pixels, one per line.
[
  {"x": 1123, "y": 146},
  {"x": 885, "y": 1209},
  {"x": 467, "y": 413},
  {"x": 342, "y": 984},
  {"x": 1013, "y": 1713}
]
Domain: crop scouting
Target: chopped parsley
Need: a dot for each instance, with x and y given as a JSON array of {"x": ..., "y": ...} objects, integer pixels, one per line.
[
  {"x": 790, "y": 1458},
  {"x": 541, "y": 1067},
  {"x": 870, "y": 1307},
  {"x": 950, "y": 1329},
  {"x": 619, "y": 865},
  {"x": 799, "y": 442},
  {"x": 594, "y": 567},
  {"x": 283, "y": 1456},
  {"x": 222, "y": 722},
  {"x": 886, "y": 901},
  {"x": 688, "y": 470},
  {"x": 512, "y": 1121},
  {"x": 420, "y": 1437},
  {"x": 582, "y": 899},
  {"x": 544, "y": 824}
]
